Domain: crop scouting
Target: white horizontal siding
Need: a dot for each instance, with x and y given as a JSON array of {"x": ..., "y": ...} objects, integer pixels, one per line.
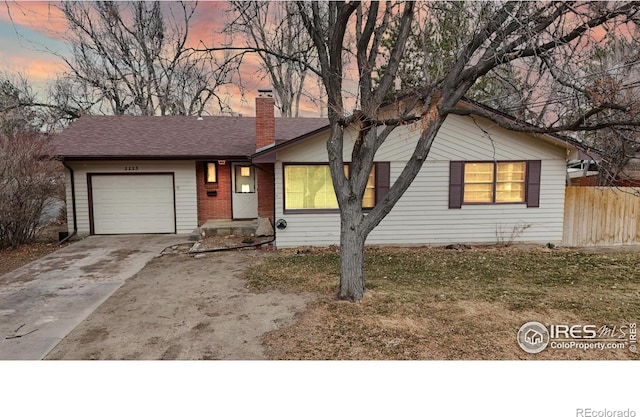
[
  {"x": 462, "y": 138},
  {"x": 459, "y": 138},
  {"x": 69, "y": 200},
  {"x": 184, "y": 188},
  {"x": 422, "y": 215}
]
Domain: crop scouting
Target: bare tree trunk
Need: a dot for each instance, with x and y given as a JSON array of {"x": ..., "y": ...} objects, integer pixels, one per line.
[{"x": 352, "y": 239}]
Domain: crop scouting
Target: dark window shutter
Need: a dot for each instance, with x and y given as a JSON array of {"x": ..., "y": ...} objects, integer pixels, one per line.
[
  {"x": 533, "y": 183},
  {"x": 456, "y": 182},
  {"x": 383, "y": 180}
]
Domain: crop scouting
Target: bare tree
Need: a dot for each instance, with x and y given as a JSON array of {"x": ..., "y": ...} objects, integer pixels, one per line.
[
  {"x": 515, "y": 89},
  {"x": 554, "y": 36},
  {"x": 28, "y": 180},
  {"x": 16, "y": 113},
  {"x": 132, "y": 58},
  {"x": 22, "y": 111},
  {"x": 275, "y": 27},
  {"x": 615, "y": 66}
]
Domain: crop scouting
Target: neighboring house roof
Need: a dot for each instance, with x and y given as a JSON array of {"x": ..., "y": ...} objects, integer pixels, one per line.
[{"x": 171, "y": 137}]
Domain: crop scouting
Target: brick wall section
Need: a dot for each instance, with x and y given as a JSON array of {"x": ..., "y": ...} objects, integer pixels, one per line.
[
  {"x": 266, "y": 196},
  {"x": 590, "y": 181},
  {"x": 218, "y": 207},
  {"x": 629, "y": 182},
  {"x": 265, "y": 120}
]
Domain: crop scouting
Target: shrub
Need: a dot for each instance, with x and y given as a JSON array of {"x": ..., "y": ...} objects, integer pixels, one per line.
[{"x": 28, "y": 180}]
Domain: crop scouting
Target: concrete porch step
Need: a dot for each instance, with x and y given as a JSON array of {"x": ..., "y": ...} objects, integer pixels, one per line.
[{"x": 229, "y": 227}]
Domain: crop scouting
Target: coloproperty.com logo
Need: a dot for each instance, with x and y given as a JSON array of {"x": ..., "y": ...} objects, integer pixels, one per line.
[{"x": 534, "y": 337}]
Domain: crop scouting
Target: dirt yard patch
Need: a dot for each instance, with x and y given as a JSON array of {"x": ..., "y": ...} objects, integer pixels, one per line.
[
  {"x": 181, "y": 307},
  {"x": 421, "y": 303},
  {"x": 14, "y": 258},
  {"x": 433, "y": 303}
]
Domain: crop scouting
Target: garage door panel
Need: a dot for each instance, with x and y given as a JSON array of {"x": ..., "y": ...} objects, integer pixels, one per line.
[{"x": 125, "y": 204}]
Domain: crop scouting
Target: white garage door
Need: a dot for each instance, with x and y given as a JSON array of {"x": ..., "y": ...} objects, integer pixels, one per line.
[{"x": 125, "y": 204}]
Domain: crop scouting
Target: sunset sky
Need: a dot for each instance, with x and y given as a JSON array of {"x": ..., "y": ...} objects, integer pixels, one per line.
[{"x": 30, "y": 36}]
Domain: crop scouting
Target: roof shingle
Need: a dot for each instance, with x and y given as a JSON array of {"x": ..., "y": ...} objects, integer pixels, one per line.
[{"x": 171, "y": 136}]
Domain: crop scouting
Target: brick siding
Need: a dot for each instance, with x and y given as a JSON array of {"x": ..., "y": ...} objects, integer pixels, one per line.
[
  {"x": 218, "y": 207},
  {"x": 266, "y": 196}
]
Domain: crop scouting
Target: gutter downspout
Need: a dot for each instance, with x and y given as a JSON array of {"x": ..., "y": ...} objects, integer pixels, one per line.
[{"x": 73, "y": 204}]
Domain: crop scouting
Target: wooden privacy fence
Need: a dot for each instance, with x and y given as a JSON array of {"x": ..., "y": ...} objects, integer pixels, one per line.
[{"x": 596, "y": 216}]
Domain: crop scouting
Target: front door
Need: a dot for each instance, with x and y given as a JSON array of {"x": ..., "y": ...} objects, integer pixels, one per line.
[{"x": 244, "y": 200}]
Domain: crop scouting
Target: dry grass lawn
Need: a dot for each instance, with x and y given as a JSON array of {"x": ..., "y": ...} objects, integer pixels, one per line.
[{"x": 433, "y": 303}]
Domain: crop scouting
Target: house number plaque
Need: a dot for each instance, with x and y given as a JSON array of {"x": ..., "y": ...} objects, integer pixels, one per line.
[{"x": 130, "y": 168}]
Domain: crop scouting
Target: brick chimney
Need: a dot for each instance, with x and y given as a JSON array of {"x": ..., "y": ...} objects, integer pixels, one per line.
[
  {"x": 265, "y": 119},
  {"x": 265, "y": 137}
]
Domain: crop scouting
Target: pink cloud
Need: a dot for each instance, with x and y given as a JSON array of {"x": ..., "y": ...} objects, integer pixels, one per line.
[
  {"x": 207, "y": 23},
  {"x": 42, "y": 17},
  {"x": 47, "y": 19},
  {"x": 40, "y": 69}
]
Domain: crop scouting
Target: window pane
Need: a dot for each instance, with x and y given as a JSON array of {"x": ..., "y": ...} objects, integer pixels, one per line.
[
  {"x": 478, "y": 182},
  {"x": 245, "y": 180},
  {"x": 511, "y": 171},
  {"x": 309, "y": 187},
  {"x": 294, "y": 186},
  {"x": 510, "y": 184},
  {"x": 478, "y": 172},
  {"x": 478, "y": 193},
  {"x": 369, "y": 198},
  {"x": 211, "y": 172},
  {"x": 510, "y": 192}
]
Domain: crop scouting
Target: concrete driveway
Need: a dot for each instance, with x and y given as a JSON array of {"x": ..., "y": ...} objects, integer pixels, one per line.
[{"x": 43, "y": 301}]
